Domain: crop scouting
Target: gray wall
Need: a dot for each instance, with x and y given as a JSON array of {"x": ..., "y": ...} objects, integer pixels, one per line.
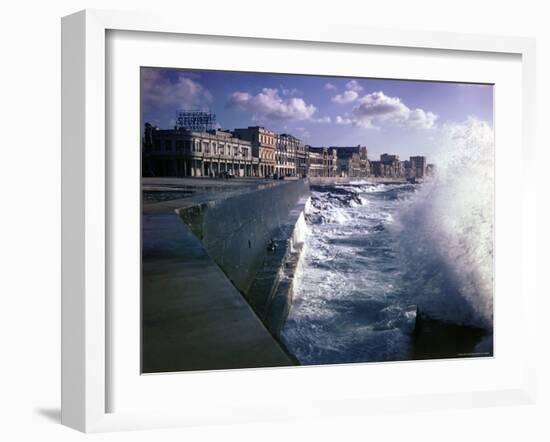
[{"x": 236, "y": 231}]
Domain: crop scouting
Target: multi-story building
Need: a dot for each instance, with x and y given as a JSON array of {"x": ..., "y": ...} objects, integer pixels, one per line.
[
  {"x": 387, "y": 158},
  {"x": 263, "y": 143},
  {"x": 181, "y": 153},
  {"x": 287, "y": 155},
  {"x": 316, "y": 162},
  {"x": 376, "y": 168},
  {"x": 418, "y": 166},
  {"x": 352, "y": 161},
  {"x": 322, "y": 162},
  {"x": 301, "y": 159},
  {"x": 193, "y": 149},
  {"x": 389, "y": 166}
]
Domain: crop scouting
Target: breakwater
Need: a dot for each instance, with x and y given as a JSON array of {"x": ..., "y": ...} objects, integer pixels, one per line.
[
  {"x": 251, "y": 237},
  {"x": 194, "y": 314}
]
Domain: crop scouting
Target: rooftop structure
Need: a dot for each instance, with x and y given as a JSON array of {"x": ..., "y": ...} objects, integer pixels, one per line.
[{"x": 195, "y": 120}]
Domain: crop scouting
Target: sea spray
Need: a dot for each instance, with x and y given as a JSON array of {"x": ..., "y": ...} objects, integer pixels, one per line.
[
  {"x": 373, "y": 253},
  {"x": 445, "y": 230},
  {"x": 299, "y": 245}
]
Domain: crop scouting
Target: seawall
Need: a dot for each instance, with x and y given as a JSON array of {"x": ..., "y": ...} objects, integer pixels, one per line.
[
  {"x": 250, "y": 237},
  {"x": 218, "y": 258}
]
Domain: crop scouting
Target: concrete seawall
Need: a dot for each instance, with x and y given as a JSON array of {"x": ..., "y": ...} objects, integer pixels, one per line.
[
  {"x": 217, "y": 264},
  {"x": 193, "y": 318},
  {"x": 249, "y": 236}
]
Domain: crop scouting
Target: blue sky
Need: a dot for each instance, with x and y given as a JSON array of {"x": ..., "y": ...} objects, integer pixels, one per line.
[{"x": 394, "y": 116}]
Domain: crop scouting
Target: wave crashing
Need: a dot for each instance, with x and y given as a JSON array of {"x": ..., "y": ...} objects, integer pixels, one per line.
[{"x": 445, "y": 231}]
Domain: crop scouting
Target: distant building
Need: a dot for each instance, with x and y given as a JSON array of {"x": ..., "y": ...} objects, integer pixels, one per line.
[
  {"x": 321, "y": 162},
  {"x": 389, "y": 166},
  {"x": 182, "y": 153},
  {"x": 194, "y": 148},
  {"x": 301, "y": 159},
  {"x": 263, "y": 143},
  {"x": 387, "y": 158},
  {"x": 376, "y": 168},
  {"x": 352, "y": 161},
  {"x": 290, "y": 156},
  {"x": 418, "y": 166}
]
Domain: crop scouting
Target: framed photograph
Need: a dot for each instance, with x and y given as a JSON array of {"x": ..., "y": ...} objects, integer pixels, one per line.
[{"x": 269, "y": 222}]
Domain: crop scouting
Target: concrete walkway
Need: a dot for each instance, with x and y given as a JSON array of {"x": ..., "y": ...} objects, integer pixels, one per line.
[{"x": 192, "y": 316}]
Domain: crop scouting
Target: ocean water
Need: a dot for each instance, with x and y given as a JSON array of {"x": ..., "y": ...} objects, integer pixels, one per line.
[
  {"x": 376, "y": 253},
  {"x": 349, "y": 304}
]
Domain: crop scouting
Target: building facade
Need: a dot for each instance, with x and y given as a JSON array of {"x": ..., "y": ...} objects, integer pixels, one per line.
[
  {"x": 418, "y": 166},
  {"x": 389, "y": 166},
  {"x": 322, "y": 162},
  {"x": 286, "y": 155},
  {"x": 182, "y": 153},
  {"x": 263, "y": 143},
  {"x": 352, "y": 161},
  {"x": 301, "y": 160},
  {"x": 257, "y": 152}
]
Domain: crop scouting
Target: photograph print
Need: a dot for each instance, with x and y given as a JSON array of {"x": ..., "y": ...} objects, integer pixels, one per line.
[{"x": 298, "y": 220}]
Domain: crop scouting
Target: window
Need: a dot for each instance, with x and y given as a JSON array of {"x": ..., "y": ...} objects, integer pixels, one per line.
[
  {"x": 157, "y": 145},
  {"x": 168, "y": 145}
]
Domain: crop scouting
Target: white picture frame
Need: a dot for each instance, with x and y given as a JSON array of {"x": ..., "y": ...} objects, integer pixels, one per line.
[{"x": 85, "y": 308}]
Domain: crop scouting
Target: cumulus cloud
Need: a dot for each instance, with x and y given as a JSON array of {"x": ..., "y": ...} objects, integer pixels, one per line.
[
  {"x": 353, "y": 85},
  {"x": 346, "y": 97},
  {"x": 268, "y": 104},
  {"x": 350, "y": 94},
  {"x": 343, "y": 120},
  {"x": 178, "y": 91},
  {"x": 377, "y": 108},
  {"x": 330, "y": 87}
]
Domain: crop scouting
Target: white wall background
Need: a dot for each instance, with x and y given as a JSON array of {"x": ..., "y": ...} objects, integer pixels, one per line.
[{"x": 30, "y": 216}]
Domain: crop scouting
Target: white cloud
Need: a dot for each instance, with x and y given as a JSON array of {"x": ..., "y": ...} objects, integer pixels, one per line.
[
  {"x": 179, "y": 92},
  {"x": 343, "y": 120},
  {"x": 346, "y": 97},
  {"x": 353, "y": 85},
  {"x": 350, "y": 94},
  {"x": 268, "y": 104},
  {"x": 421, "y": 119},
  {"x": 330, "y": 87},
  {"x": 376, "y": 108}
]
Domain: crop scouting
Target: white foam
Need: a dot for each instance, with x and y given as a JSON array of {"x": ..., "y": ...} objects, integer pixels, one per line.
[{"x": 446, "y": 229}]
